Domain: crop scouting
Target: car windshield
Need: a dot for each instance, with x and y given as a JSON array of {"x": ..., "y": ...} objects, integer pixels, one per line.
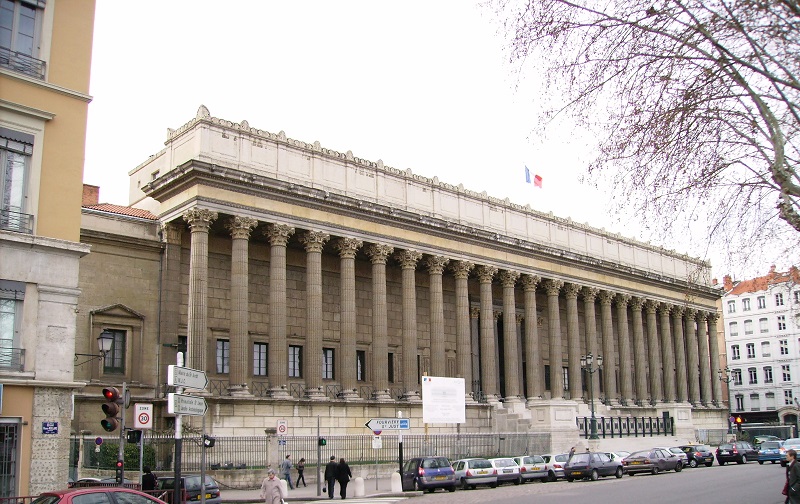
[
  {"x": 770, "y": 445},
  {"x": 536, "y": 459},
  {"x": 580, "y": 458},
  {"x": 480, "y": 464},
  {"x": 46, "y": 499},
  {"x": 702, "y": 448},
  {"x": 504, "y": 462},
  {"x": 435, "y": 463},
  {"x": 562, "y": 457},
  {"x": 792, "y": 441}
]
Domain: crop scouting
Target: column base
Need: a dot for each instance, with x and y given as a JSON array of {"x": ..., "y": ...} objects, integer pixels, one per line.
[
  {"x": 315, "y": 394},
  {"x": 411, "y": 396},
  {"x": 493, "y": 399},
  {"x": 280, "y": 393},
  {"x": 239, "y": 391},
  {"x": 349, "y": 395},
  {"x": 534, "y": 401},
  {"x": 513, "y": 401},
  {"x": 381, "y": 395},
  {"x": 469, "y": 399}
]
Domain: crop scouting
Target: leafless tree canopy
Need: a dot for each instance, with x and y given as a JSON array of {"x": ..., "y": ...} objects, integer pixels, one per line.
[{"x": 694, "y": 103}]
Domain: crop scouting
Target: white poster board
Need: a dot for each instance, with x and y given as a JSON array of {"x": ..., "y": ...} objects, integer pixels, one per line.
[{"x": 443, "y": 400}]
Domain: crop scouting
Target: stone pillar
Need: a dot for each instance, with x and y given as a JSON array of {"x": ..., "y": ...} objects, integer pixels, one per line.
[
  {"x": 609, "y": 352},
  {"x": 240, "y": 228},
  {"x": 554, "y": 325},
  {"x": 656, "y": 384},
  {"x": 475, "y": 349},
  {"x": 573, "y": 341},
  {"x": 314, "y": 241},
  {"x": 681, "y": 394},
  {"x": 199, "y": 220},
  {"x": 519, "y": 318},
  {"x": 714, "y": 357},
  {"x": 668, "y": 354},
  {"x": 347, "y": 248},
  {"x": 435, "y": 265},
  {"x": 461, "y": 271},
  {"x": 533, "y": 348},
  {"x": 639, "y": 354},
  {"x": 378, "y": 254},
  {"x": 705, "y": 365},
  {"x": 488, "y": 346},
  {"x": 590, "y": 320},
  {"x": 508, "y": 280},
  {"x": 408, "y": 262},
  {"x": 171, "y": 282},
  {"x": 278, "y": 235},
  {"x": 692, "y": 360},
  {"x": 625, "y": 362}
]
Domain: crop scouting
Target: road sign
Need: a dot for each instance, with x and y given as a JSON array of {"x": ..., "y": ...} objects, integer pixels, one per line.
[
  {"x": 187, "y": 377},
  {"x": 98, "y": 441},
  {"x": 182, "y": 404},
  {"x": 377, "y": 443},
  {"x": 382, "y": 424},
  {"x": 282, "y": 442},
  {"x": 143, "y": 416},
  {"x": 283, "y": 427}
]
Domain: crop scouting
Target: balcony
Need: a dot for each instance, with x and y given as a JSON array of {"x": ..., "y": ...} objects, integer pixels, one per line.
[
  {"x": 22, "y": 63},
  {"x": 12, "y": 359},
  {"x": 16, "y": 221}
]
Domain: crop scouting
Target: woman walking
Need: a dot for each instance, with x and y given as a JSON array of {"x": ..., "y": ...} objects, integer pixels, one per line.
[
  {"x": 301, "y": 466},
  {"x": 343, "y": 476},
  {"x": 271, "y": 489},
  {"x": 792, "y": 488}
]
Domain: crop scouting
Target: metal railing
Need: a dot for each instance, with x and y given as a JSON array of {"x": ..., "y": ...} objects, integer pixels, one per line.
[
  {"x": 16, "y": 221},
  {"x": 610, "y": 427},
  {"x": 12, "y": 358},
  {"x": 20, "y": 62}
]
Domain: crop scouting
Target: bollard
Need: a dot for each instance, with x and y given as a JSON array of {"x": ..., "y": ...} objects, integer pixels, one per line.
[
  {"x": 358, "y": 487},
  {"x": 397, "y": 483},
  {"x": 285, "y": 486}
]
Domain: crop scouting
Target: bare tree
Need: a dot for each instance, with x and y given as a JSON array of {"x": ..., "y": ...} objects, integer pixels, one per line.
[{"x": 695, "y": 105}]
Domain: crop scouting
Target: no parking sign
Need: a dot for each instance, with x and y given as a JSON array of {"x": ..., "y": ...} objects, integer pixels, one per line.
[{"x": 142, "y": 416}]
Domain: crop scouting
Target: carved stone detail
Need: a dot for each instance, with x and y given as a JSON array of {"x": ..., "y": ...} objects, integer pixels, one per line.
[
  {"x": 314, "y": 241},
  {"x": 508, "y": 278},
  {"x": 461, "y": 269},
  {"x": 379, "y": 252},
  {"x": 408, "y": 258},
  {"x": 622, "y": 299},
  {"x": 529, "y": 282},
  {"x": 171, "y": 234},
  {"x": 278, "y": 234},
  {"x": 637, "y": 303},
  {"x": 486, "y": 273},
  {"x": 240, "y": 227},
  {"x": 348, "y": 247},
  {"x": 651, "y": 305},
  {"x": 436, "y": 264},
  {"x": 664, "y": 308},
  {"x": 199, "y": 219},
  {"x": 590, "y": 293},
  {"x": 571, "y": 290},
  {"x": 553, "y": 287}
]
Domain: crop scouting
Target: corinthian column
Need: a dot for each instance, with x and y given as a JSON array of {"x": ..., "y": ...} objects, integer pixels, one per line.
[
  {"x": 314, "y": 241},
  {"x": 171, "y": 235},
  {"x": 609, "y": 354},
  {"x": 378, "y": 254},
  {"x": 347, "y": 248},
  {"x": 625, "y": 365},
  {"x": 680, "y": 354},
  {"x": 461, "y": 271},
  {"x": 714, "y": 357},
  {"x": 668, "y": 354},
  {"x": 656, "y": 387},
  {"x": 639, "y": 354},
  {"x": 240, "y": 228},
  {"x": 435, "y": 265},
  {"x": 692, "y": 361},
  {"x": 199, "y": 220},
  {"x": 278, "y": 235},
  {"x": 702, "y": 339},
  {"x": 508, "y": 279},
  {"x": 488, "y": 346},
  {"x": 533, "y": 347},
  {"x": 553, "y": 287},
  {"x": 408, "y": 262},
  {"x": 573, "y": 341},
  {"x": 590, "y": 320}
]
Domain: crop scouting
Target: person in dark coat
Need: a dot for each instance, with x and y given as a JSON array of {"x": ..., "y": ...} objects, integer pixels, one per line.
[
  {"x": 149, "y": 480},
  {"x": 301, "y": 466},
  {"x": 792, "y": 478},
  {"x": 330, "y": 475},
  {"x": 343, "y": 476}
]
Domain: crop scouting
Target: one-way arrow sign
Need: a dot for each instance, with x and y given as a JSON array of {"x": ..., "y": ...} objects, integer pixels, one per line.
[
  {"x": 382, "y": 424},
  {"x": 181, "y": 404}
]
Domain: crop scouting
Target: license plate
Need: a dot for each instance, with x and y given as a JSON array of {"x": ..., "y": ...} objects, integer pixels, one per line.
[
  {"x": 508, "y": 471},
  {"x": 723, "y": 452},
  {"x": 636, "y": 462},
  {"x": 208, "y": 496},
  {"x": 576, "y": 473},
  {"x": 439, "y": 477},
  {"x": 535, "y": 468},
  {"x": 483, "y": 472}
]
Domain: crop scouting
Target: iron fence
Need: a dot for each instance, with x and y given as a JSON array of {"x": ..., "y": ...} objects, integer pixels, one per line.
[
  {"x": 16, "y": 221},
  {"x": 21, "y": 62},
  {"x": 610, "y": 427},
  {"x": 12, "y": 358}
]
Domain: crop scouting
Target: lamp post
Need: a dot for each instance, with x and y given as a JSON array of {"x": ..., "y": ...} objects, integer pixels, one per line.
[
  {"x": 586, "y": 364},
  {"x": 724, "y": 375},
  {"x": 104, "y": 342}
]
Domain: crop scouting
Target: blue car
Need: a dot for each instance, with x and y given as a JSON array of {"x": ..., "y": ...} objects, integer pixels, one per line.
[{"x": 772, "y": 451}]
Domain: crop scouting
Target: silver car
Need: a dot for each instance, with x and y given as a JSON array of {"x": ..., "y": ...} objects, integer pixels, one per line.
[
  {"x": 555, "y": 465},
  {"x": 507, "y": 470},
  {"x": 473, "y": 472},
  {"x": 531, "y": 467}
]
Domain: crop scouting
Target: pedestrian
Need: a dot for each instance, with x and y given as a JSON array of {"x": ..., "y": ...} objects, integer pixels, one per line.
[
  {"x": 301, "y": 466},
  {"x": 271, "y": 489},
  {"x": 149, "y": 480},
  {"x": 286, "y": 470},
  {"x": 792, "y": 488},
  {"x": 571, "y": 453},
  {"x": 343, "y": 476},
  {"x": 330, "y": 476}
]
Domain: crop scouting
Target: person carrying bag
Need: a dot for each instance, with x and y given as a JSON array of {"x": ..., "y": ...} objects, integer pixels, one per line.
[{"x": 792, "y": 488}]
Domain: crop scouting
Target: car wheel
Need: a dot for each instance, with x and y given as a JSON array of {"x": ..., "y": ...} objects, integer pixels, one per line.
[
  {"x": 418, "y": 486},
  {"x": 595, "y": 475},
  {"x": 773, "y": 461},
  {"x": 431, "y": 490},
  {"x": 721, "y": 462},
  {"x": 761, "y": 462},
  {"x": 473, "y": 486},
  {"x": 493, "y": 485},
  {"x": 518, "y": 481},
  {"x": 551, "y": 476},
  {"x": 654, "y": 470},
  {"x": 709, "y": 464},
  {"x": 693, "y": 463},
  {"x": 570, "y": 480},
  {"x": 618, "y": 473},
  {"x": 451, "y": 488},
  {"x": 464, "y": 485},
  {"x": 744, "y": 459},
  {"x": 679, "y": 467}
]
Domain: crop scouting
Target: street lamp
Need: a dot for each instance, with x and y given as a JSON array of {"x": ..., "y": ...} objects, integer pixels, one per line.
[
  {"x": 725, "y": 375},
  {"x": 104, "y": 342},
  {"x": 586, "y": 365}
]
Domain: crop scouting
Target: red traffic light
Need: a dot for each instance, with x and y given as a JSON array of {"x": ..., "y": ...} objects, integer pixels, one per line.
[
  {"x": 119, "y": 464},
  {"x": 112, "y": 394},
  {"x": 111, "y": 408},
  {"x": 739, "y": 420}
]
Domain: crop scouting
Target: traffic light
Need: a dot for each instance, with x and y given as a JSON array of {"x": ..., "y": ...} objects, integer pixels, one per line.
[
  {"x": 111, "y": 408},
  {"x": 739, "y": 423},
  {"x": 209, "y": 441},
  {"x": 134, "y": 436},
  {"x": 322, "y": 441},
  {"x": 120, "y": 470}
]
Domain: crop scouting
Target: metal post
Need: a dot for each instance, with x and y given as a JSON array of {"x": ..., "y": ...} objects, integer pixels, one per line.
[
  {"x": 319, "y": 462},
  {"x": 593, "y": 421},
  {"x": 141, "y": 456},
  {"x": 203, "y": 462},
  {"x": 121, "y": 451},
  {"x": 177, "y": 493},
  {"x": 400, "y": 446}
]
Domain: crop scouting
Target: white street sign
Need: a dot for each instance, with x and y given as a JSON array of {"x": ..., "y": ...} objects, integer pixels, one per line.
[
  {"x": 382, "y": 424},
  {"x": 283, "y": 427},
  {"x": 181, "y": 404},
  {"x": 377, "y": 443},
  {"x": 142, "y": 416},
  {"x": 187, "y": 377}
]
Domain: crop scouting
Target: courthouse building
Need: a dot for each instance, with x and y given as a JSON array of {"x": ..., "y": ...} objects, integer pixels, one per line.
[{"x": 307, "y": 282}]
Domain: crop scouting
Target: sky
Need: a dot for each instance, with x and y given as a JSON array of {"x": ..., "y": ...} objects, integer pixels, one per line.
[{"x": 418, "y": 84}]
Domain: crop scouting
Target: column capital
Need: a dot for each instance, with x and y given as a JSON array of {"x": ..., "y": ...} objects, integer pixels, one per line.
[
  {"x": 379, "y": 253},
  {"x": 622, "y": 299},
  {"x": 508, "y": 278},
  {"x": 713, "y": 317},
  {"x": 553, "y": 286},
  {"x": 664, "y": 308},
  {"x": 461, "y": 269},
  {"x": 690, "y": 313},
  {"x": 497, "y": 314},
  {"x": 606, "y": 297},
  {"x": 474, "y": 312},
  {"x": 529, "y": 282},
  {"x": 520, "y": 317},
  {"x": 408, "y": 258},
  {"x": 637, "y": 303},
  {"x": 199, "y": 219},
  {"x": 677, "y": 311},
  {"x": 278, "y": 234},
  {"x": 171, "y": 233},
  {"x": 486, "y": 273},
  {"x": 701, "y": 315},
  {"x": 314, "y": 240},
  {"x": 589, "y": 294},
  {"x": 571, "y": 290},
  {"x": 240, "y": 226},
  {"x": 436, "y": 264},
  {"x": 348, "y": 247},
  {"x": 651, "y": 305}
]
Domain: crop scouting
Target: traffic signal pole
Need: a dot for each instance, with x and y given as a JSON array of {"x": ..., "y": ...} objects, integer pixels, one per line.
[
  {"x": 121, "y": 451},
  {"x": 177, "y": 492}
]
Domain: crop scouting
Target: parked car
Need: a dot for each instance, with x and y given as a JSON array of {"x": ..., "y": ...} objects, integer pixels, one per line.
[
  {"x": 83, "y": 482},
  {"x": 191, "y": 485},
  {"x": 738, "y": 451},
  {"x": 678, "y": 453},
  {"x": 771, "y": 451},
  {"x": 592, "y": 465},
  {"x": 698, "y": 454},
  {"x": 475, "y": 471},
  {"x": 618, "y": 455},
  {"x": 790, "y": 444},
  {"x": 531, "y": 467},
  {"x": 507, "y": 470},
  {"x": 428, "y": 473},
  {"x": 111, "y": 495},
  {"x": 555, "y": 465},
  {"x": 652, "y": 461},
  {"x": 757, "y": 440}
]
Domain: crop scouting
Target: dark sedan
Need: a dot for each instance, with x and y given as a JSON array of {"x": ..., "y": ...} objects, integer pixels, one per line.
[
  {"x": 652, "y": 461},
  {"x": 738, "y": 451},
  {"x": 592, "y": 466},
  {"x": 698, "y": 454}
]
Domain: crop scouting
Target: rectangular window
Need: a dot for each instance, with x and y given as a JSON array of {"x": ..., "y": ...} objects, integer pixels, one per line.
[
  {"x": 734, "y": 328},
  {"x": 746, "y": 304},
  {"x": 796, "y": 297},
  {"x": 788, "y": 398},
  {"x": 784, "y": 345},
  {"x": 546, "y": 377},
  {"x": 731, "y": 306},
  {"x": 223, "y": 356},
  {"x": 16, "y": 150},
  {"x": 751, "y": 350},
  {"x": 260, "y": 359},
  {"x": 748, "y": 327},
  {"x": 781, "y": 322},
  {"x": 295, "y": 361},
  {"x": 739, "y": 402},
  {"x": 737, "y": 376},
  {"x": 391, "y": 368},
  {"x": 787, "y": 372},
  {"x": 753, "y": 375},
  {"x": 361, "y": 365},
  {"x": 12, "y": 295},
  {"x": 765, "y": 350},
  {"x": 755, "y": 402},
  {"x": 20, "y": 31},
  {"x": 768, "y": 374},
  {"x": 770, "y": 400},
  {"x": 762, "y": 302},
  {"x": 114, "y": 361},
  {"x": 735, "y": 352},
  {"x": 763, "y": 325},
  {"x": 779, "y": 299},
  {"x": 328, "y": 370},
  {"x": 565, "y": 377}
]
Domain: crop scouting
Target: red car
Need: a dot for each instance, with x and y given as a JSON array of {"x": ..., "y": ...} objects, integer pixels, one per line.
[{"x": 96, "y": 495}]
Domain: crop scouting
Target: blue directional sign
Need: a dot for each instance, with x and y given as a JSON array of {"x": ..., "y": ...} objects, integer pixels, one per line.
[{"x": 382, "y": 424}]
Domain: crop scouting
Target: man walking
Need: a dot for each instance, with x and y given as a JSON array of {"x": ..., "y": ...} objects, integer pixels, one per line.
[
  {"x": 330, "y": 475},
  {"x": 286, "y": 470}
]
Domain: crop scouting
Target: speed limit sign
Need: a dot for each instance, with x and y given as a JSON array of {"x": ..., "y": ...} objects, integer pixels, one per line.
[
  {"x": 283, "y": 427},
  {"x": 142, "y": 416}
]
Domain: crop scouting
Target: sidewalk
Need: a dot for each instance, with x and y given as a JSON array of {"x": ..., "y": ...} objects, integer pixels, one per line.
[{"x": 309, "y": 493}]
